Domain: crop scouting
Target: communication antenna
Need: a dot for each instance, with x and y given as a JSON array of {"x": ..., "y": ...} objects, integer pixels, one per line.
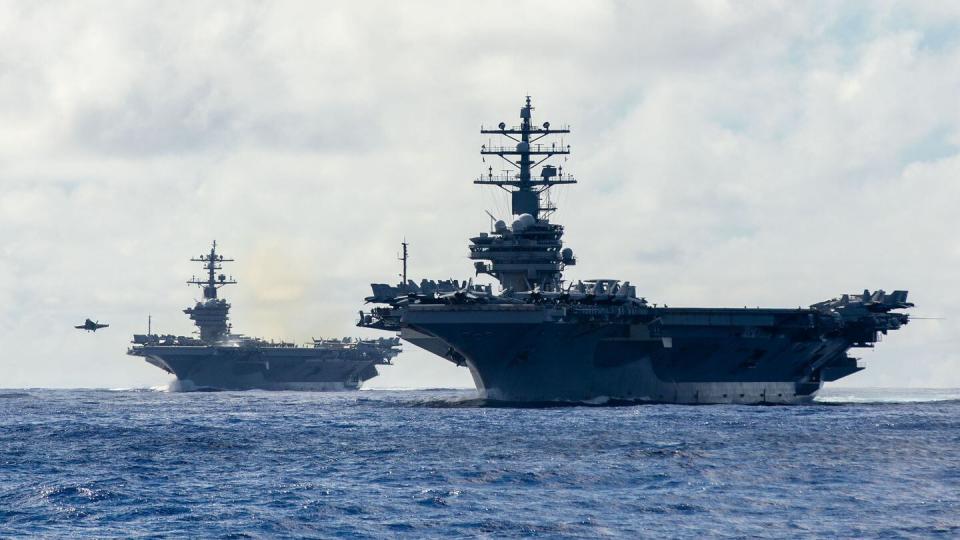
[
  {"x": 403, "y": 258},
  {"x": 492, "y": 219}
]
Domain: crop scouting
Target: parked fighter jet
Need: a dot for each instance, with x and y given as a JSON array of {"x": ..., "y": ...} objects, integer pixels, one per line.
[{"x": 91, "y": 326}]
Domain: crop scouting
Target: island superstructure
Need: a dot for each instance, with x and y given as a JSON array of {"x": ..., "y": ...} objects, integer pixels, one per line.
[
  {"x": 541, "y": 338},
  {"x": 219, "y": 359}
]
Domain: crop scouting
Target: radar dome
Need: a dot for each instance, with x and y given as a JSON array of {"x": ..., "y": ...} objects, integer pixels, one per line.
[
  {"x": 566, "y": 254},
  {"x": 500, "y": 226},
  {"x": 526, "y": 220}
]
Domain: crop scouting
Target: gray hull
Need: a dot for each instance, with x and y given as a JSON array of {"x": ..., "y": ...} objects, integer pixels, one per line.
[
  {"x": 281, "y": 368},
  {"x": 518, "y": 353}
]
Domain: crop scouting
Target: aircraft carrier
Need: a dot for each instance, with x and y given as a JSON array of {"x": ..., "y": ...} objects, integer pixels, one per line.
[
  {"x": 540, "y": 338},
  {"x": 221, "y": 360}
]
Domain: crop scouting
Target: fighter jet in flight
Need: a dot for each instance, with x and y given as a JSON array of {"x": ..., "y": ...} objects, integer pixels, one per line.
[{"x": 91, "y": 326}]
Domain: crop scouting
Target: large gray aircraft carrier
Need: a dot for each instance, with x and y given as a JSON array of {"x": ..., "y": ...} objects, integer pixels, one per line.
[
  {"x": 540, "y": 338},
  {"x": 219, "y": 359}
]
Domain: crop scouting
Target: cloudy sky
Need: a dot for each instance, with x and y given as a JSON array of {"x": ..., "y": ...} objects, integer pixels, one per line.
[{"x": 729, "y": 154}]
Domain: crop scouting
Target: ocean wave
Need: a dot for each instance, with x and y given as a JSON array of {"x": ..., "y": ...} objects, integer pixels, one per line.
[{"x": 440, "y": 464}]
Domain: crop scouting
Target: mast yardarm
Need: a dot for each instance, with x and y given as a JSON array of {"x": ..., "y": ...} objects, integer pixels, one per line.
[{"x": 527, "y": 154}]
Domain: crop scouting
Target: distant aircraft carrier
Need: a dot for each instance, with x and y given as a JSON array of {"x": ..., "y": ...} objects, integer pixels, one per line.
[
  {"x": 543, "y": 339},
  {"x": 219, "y": 359}
]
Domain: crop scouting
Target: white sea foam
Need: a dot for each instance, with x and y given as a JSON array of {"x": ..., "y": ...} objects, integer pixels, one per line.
[
  {"x": 161, "y": 388},
  {"x": 887, "y": 395},
  {"x": 178, "y": 385}
]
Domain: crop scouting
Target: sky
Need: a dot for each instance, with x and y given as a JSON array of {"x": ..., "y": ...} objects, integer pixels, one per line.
[{"x": 728, "y": 154}]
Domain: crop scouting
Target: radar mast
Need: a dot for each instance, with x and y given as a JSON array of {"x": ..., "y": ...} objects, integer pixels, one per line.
[
  {"x": 529, "y": 253},
  {"x": 210, "y": 314},
  {"x": 211, "y": 263},
  {"x": 525, "y": 156}
]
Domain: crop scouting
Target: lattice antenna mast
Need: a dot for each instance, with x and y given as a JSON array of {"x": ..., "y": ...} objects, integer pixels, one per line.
[
  {"x": 525, "y": 156},
  {"x": 404, "y": 257},
  {"x": 211, "y": 263}
]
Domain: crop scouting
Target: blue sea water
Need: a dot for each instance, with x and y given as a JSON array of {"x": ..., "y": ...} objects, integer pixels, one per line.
[{"x": 860, "y": 463}]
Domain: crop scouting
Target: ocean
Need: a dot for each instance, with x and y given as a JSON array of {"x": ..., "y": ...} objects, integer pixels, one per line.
[{"x": 439, "y": 463}]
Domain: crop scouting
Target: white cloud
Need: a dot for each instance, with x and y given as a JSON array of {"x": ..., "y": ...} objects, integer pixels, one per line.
[{"x": 729, "y": 153}]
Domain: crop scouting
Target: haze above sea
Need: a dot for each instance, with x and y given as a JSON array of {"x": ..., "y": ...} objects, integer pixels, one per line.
[{"x": 440, "y": 463}]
